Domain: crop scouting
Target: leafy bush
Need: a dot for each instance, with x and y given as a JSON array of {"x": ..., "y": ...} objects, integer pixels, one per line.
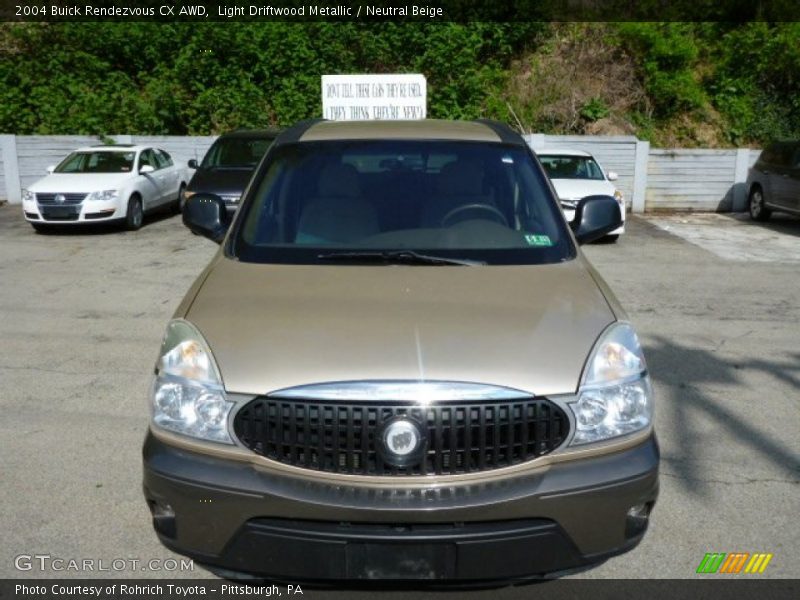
[
  {"x": 756, "y": 83},
  {"x": 594, "y": 109},
  {"x": 673, "y": 83},
  {"x": 667, "y": 55},
  {"x": 201, "y": 78}
]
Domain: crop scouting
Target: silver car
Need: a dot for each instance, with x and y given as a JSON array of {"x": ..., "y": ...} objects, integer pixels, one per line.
[{"x": 773, "y": 183}]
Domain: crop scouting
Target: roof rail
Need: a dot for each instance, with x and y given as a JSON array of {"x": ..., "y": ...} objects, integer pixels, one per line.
[
  {"x": 296, "y": 131},
  {"x": 507, "y": 135}
]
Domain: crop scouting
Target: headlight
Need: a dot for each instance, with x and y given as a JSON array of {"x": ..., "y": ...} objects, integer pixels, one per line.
[
  {"x": 105, "y": 195},
  {"x": 28, "y": 196},
  {"x": 618, "y": 195},
  {"x": 188, "y": 396},
  {"x": 615, "y": 397}
]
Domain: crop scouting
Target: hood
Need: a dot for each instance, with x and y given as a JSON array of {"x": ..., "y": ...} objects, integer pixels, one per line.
[
  {"x": 278, "y": 326},
  {"x": 227, "y": 181},
  {"x": 575, "y": 189},
  {"x": 79, "y": 182}
]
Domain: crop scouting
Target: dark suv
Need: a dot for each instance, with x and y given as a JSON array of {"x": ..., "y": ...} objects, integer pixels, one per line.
[
  {"x": 774, "y": 181},
  {"x": 228, "y": 165}
]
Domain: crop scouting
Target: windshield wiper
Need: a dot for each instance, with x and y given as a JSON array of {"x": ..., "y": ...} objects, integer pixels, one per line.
[{"x": 409, "y": 257}]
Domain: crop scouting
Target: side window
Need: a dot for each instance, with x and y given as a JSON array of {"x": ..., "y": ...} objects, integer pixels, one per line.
[
  {"x": 164, "y": 159},
  {"x": 777, "y": 155},
  {"x": 784, "y": 155},
  {"x": 259, "y": 148},
  {"x": 146, "y": 159}
]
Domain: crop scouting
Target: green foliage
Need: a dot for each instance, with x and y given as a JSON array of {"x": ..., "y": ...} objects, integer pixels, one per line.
[
  {"x": 201, "y": 78},
  {"x": 667, "y": 54},
  {"x": 594, "y": 109},
  {"x": 701, "y": 83},
  {"x": 741, "y": 78},
  {"x": 756, "y": 83}
]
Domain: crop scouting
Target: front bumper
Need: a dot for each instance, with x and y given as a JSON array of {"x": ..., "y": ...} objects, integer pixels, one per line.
[
  {"x": 236, "y": 517},
  {"x": 85, "y": 212}
]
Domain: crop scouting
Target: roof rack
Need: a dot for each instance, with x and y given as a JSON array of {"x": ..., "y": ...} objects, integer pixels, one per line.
[
  {"x": 507, "y": 135},
  {"x": 296, "y": 131},
  {"x": 253, "y": 131}
]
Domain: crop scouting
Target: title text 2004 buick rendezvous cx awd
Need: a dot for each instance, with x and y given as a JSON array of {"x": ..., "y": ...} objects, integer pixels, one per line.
[{"x": 400, "y": 366}]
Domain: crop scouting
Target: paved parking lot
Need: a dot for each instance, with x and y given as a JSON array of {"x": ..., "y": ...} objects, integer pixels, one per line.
[
  {"x": 737, "y": 237},
  {"x": 82, "y": 314}
]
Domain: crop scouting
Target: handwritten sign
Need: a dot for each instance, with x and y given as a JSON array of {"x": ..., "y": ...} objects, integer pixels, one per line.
[{"x": 374, "y": 97}]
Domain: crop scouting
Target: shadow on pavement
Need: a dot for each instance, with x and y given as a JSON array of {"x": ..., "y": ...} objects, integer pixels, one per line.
[
  {"x": 689, "y": 371},
  {"x": 779, "y": 222}
]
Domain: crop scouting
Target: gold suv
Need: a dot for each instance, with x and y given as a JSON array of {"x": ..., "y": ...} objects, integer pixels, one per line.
[{"x": 400, "y": 366}]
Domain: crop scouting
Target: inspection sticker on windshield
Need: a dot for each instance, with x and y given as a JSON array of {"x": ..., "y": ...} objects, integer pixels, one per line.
[{"x": 538, "y": 240}]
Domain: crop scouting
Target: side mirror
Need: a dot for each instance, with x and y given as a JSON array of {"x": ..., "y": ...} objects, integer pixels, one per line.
[
  {"x": 595, "y": 216},
  {"x": 144, "y": 169},
  {"x": 206, "y": 215},
  {"x": 612, "y": 176},
  {"x": 192, "y": 163},
  {"x": 51, "y": 169}
]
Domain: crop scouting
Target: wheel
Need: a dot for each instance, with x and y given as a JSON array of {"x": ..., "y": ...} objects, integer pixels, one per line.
[
  {"x": 758, "y": 210},
  {"x": 177, "y": 206},
  {"x": 135, "y": 214}
]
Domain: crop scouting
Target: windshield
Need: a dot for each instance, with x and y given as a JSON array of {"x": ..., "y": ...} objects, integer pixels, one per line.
[
  {"x": 236, "y": 152},
  {"x": 571, "y": 167},
  {"x": 350, "y": 200},
  {"x": 97, "y": 162}
]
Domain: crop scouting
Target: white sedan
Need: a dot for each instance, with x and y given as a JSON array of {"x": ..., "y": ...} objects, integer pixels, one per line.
[
  {"x": 576, "y": 174},
  {"x": 105, "y": 183}
]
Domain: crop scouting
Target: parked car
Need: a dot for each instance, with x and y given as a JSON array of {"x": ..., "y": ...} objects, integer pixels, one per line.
[
  {"x": 399, "y": 365},
  {"x": 773, "y": 182},
  {"x": 104, "y": 183},
  {"x": 228, "y": 165},
  {"x": 576, "y": 174}
]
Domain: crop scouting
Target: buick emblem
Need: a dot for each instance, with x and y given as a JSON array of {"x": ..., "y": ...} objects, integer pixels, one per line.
[
  {"x": 60, "y": 199},
  {"x": 402, "y": 441}
]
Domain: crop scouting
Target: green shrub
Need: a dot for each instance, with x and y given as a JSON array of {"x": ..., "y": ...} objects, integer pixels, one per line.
[
  {"x": 201, "y": 78},
  {"x": 667, "y": 54}
]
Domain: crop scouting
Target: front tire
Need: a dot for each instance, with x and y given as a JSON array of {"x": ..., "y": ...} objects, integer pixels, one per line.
[
  {"x": 758, "y": 210},
  {"x": 135, "y": 214}
]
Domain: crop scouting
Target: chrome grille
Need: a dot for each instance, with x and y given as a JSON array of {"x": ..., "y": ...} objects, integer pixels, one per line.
[
  {"x": 343, "y": 437},
  {"x": 50, "y": 199}
]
